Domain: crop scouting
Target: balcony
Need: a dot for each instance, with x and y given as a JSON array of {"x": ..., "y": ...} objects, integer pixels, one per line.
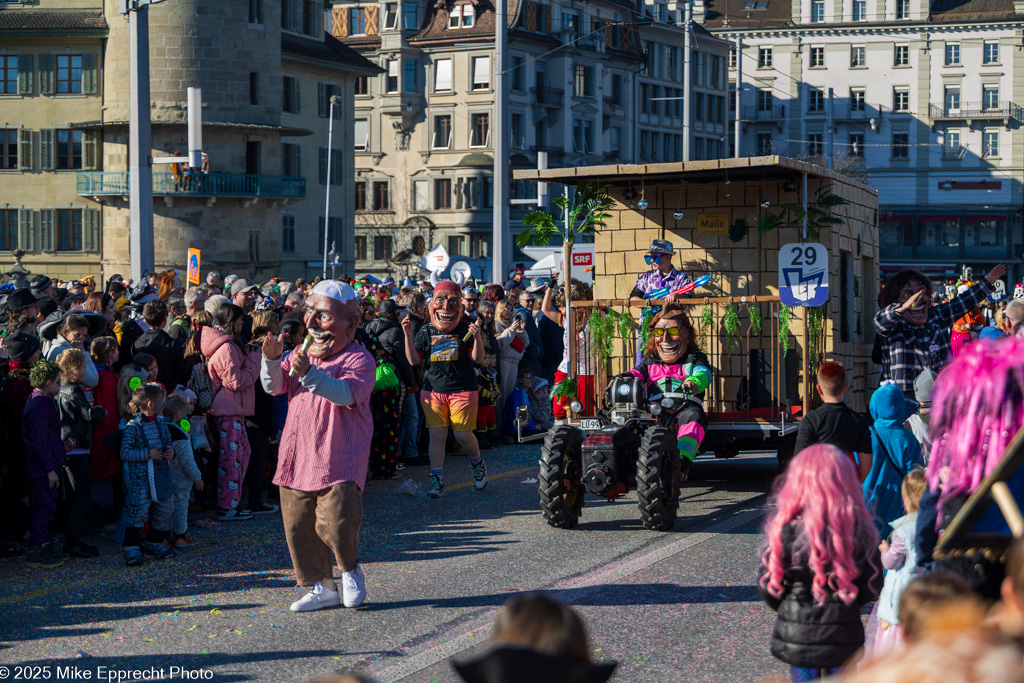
[
  {"x": 547, "y": 97},
  {"x": 1004, "y": 111},
  {"x": 853, "y": 112},
  {"x": 613, "y": 105},
  {"x": 198, "y": 185},
  {"x": 774, "y": 113}
]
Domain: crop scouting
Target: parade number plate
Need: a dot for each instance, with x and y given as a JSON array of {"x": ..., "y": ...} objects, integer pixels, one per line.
[{"x": 591, "y": 424}]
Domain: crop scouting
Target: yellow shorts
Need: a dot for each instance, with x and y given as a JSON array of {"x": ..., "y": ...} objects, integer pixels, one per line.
[{"x": 457, "y": 410}]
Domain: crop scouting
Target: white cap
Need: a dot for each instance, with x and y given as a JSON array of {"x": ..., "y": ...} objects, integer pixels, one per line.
[{"x": 339, "y": 291}]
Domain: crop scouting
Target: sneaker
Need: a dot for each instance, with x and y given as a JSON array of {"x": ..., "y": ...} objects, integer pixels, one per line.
[
  {"x": 41, "y": 557},
  {"x": 480, "y": 476},
  {"x": 317, "y": 598},
  {"x": 233, "y": 515},
  {"x": 262, "y": 508},
  {"x": 353, "y": 587},
  {"x": 400, "y": 466},
  {"x": 133, "y": 556},
  {"x": 436, "y": 489},
  {"x": 157, "y": 551},
  {"x": 83, "y": 550},
  {"x": 184, "y": 540}
]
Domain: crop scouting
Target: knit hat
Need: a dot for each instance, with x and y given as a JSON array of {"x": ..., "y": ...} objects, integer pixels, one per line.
[
  {"x": 923, "y": 386},
  {"x": 21, "y": 346}
]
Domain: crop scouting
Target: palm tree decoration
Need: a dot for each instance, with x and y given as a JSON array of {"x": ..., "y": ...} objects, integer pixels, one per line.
[{"x": 818, "y": 214}]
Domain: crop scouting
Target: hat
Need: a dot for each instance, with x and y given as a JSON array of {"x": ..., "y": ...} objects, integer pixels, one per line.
[
  {"x": 388, "y": 282},
  {"x": 990, "y": 332},
  {"x": 332, "y": 289},
  {"x": 47, "y": 306},
  {"x": 141, "y": 293},
  {"x": 923, "y": 385},
  {"x": 467, "y": 290},
  {"x": 21, "y": 346},
  {"x": 537, "y": 286},
  {"x": 513, "y": 283},
  {"x": 241, "y": 286},
  {"x": 48, "y": 329},
  {"x": 40, "y": 282},
  {"x": 661, "y": 247},
  {"x": 387, "y": 307},
  {"x": 23, "y": 298}
]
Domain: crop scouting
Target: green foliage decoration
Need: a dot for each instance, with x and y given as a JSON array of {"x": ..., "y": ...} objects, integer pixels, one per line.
[
  {"x": 565, "y": 390},
  {"x": 602, "y": 331},
  {"x": 731, "y": 325},
  {"x": 784, "y": 314},
  {"x": 818, "y": 213},
  {"x": 754, "y": 311},
  {"x": 588, "y": 209},
  {"x": 707, "y": 319},
  {"x": 738, "y": 229},
  {"x": 815, "y": 328}
]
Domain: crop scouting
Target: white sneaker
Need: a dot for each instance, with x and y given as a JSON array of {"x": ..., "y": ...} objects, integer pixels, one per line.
[
  {"x": 318, "y": 598},
  {"x": 353, "y": 587}
]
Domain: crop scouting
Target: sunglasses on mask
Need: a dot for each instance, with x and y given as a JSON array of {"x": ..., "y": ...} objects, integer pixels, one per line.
[
  {"x": 652, "y": 259},
  {"x": 660, "y": 331}
]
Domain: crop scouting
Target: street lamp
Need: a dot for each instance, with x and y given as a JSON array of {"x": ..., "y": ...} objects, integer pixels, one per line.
[
  {"x": 335, "y": 100},
  {"x": 335, "y": 259}
]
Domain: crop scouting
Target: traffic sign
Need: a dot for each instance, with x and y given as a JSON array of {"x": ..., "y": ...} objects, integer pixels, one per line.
[
  {"x": 803, "y": 274},
  {"x": 193, "y": 266},
  {"x": 999, "y": 293}
]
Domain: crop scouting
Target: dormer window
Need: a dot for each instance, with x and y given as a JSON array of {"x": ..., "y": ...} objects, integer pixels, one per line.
[{"x": 462, "y": 16}]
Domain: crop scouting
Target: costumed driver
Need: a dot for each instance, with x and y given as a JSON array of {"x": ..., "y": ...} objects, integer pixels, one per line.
[{"x": 325, "y": 446}]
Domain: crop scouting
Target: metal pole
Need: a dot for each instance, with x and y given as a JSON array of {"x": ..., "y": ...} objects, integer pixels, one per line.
[
  {"x": 327, "y": 185},
  {"x": 195, "y": 129},
  {"x": 687, "y": 79},
  {"x": 828, "y": 128},
  {"x": 804, "y": 201},
  {"x": 739, "y": 86},
  {"x": 500, "y": 228},
  {"x": 567, "y": 280},
  {"x": 140, "y": 147}
]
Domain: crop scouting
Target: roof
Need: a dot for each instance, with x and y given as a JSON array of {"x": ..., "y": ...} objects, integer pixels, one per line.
[
  {"x": 721, "y": 14},
  {"x": 283, "y": 130},
  {"x": 330, "y": 50},
  {"x": 972, "y": 10},
  {"x": 714, "y": 170},
  {"x": 49, "y": 21}
]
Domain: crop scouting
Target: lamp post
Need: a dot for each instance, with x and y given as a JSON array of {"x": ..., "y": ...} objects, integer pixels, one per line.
[{"x": 335, "y": 100}]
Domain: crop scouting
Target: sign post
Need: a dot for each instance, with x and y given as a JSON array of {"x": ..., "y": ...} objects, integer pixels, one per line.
[
  {"x": 194, "y": 256},
  {"x": 803, "y": 282}
]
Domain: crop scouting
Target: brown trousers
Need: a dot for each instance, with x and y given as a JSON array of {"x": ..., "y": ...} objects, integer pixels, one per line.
[{"x": 317, "y": 523}]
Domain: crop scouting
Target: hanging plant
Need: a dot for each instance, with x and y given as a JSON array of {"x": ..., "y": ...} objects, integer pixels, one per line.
[
  {"x": 754, "y": 311},
  {"x": 815, "y": 326},
  {"x": 645, "y": 326},
  {"x": 738, "y": 229},
  {"x": 784, "y": 313},
  {"x": 626, "y": 324},
  {"x": 707, "y": 319},
  {"x": 602, "y": 330},
  {"x": 565, "y": 390},
  {"x": 731, "y": 324}
]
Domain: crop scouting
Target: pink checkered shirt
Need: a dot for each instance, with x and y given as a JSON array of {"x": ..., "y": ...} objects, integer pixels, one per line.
[{"x": 324, "y": 444}]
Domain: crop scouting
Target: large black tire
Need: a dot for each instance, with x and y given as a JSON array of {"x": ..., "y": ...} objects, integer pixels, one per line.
[
  {"x": 658, "y": 479},
  {"x": 561, "y": 477}
]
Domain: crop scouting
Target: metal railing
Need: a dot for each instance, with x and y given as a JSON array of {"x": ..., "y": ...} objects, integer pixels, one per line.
[
  {"x": 197, "y": 184},
  {"x": 755, "y": 113},
  {"x": 978, "y": 110}
]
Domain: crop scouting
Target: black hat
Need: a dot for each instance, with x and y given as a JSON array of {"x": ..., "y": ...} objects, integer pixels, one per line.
[
  {"x": 141, "y": 293},
  {"x": 40, "y": 282},
  {"x": 49, "y": 328},
  {"x": 47, "y": 306},
  {"x": 21, "y": 346},
  {"x": 23, "y": 298},
  {"x": 661, "y": 247},
  {"x": 387, "y": 307}
]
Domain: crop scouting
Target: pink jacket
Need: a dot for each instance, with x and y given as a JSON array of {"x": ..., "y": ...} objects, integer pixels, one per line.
[{"x": 233, "y": 374}]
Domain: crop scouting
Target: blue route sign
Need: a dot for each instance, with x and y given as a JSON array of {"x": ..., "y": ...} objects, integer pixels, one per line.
[{"x": 803, "y": 274}]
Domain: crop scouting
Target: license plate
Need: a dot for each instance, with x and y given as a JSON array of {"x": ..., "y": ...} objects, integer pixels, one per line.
[{"x": 590, "y": 424}]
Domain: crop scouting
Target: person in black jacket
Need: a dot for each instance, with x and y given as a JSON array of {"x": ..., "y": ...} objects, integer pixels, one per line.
[
  {"x": 820, "y": 563},
  {"x": 389, "y": 333},
  {"x": 261, "y": 427},
  {"x": 157, "y": 343}
]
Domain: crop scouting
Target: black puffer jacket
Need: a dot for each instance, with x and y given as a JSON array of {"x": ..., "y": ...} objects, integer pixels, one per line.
[
  {"x": 807, "y": 634},
  {"x": 392, "y": 338},
  {"x": 77, "y": 415}
]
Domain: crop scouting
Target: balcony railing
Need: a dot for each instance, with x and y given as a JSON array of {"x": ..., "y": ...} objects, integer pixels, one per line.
[
  {"x": 549, "y": 97},
  {"x": 612, "y": 103},
  {"x": 198, "y": 185},
  {"x": 977, "y": 110},
  {"x": 850, "y": 112},
  {"x": 775, "y": 113}
]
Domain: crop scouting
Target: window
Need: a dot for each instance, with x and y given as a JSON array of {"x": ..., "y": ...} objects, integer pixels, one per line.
[
  {"x": 857, "y": 145},
  {"x": 421, "y": 195},
  {"x": 288, "y": 233},
  {"x": 817, "y": 11},
  {"x": 461, "y": 16},
  {"x": 362, "y": 135},
  {"x": 645, "y": 98},
  {"x": 478, "y": 246},
  {"x": 951, "y": 144},
  {"x": 815, "y": 101},
  {"x": 518, "y": 131},
  {"x": 442, "y": 132},
  {"x": 518, "y": 67},
  {"x": 540, "y": 134},
  {"x": 583, "y": 81},
  {"x": 901, "y": 145},
  {"x": 990, "y": 144},
  {"x": 655, "y": 104},
  {"x": 391, "y": 15},
  {"x": 732, "y": 59},
  {"x": 471, "y": 192},
  {"x": 443, "y": 193},
  {"x": 857, "y": 99},
  {"x": 901, "y": 99},
  {"x": 990, "y": 97},
  {"x": 952, "y": 54},
  {"x": 410, "y": 15},
  {"x": 8, "y": 74},
  {"x": 984, "y": 231},
  {"x": 442, "y": 75},
  {"x": 583, "y": 136},
  {"x": 764, "y": 58},
  {"x": 291, "y": 160},
  {"x": 617, "y": 88},
  {"x": 858, "y": 56},
  {"x": 488, "y": 183},
  {"x": 991, "y": 53},
  {"x": 255, "y": 11},
  {"x": 615, "y": 139},
  {"x": 337, "y": 168},
  {"x": 481, "y": 73},
  {"x": 290, "y": 95},
  {"x": 327, "y": 91},
  {"x": 69, "y": 149},
  {"x": 951, "y": 100},
  {"x": 290, "y": 15},
  {"x": 409, "y": 75},
  {"x": 381, "y": 197},
  {"x": 382, "y": 247},
  {"x": 542, "y": 18},
  {"x": 361, "y": 85},
  {"x": 570, "y": 27},
  {"x": 764, "y": 144},
  {"x": 360, "y": 247},
  {"x": 69, "y": 229},
  {"x": 360, "y": 196},
  {"x": 254, "y": 87},
  {"x": 357, "y": 21},
  {"x": 456, "y": 244},
  {"x": 69, "y": 74},
  {"x": 8, "y": 229},
  {"x": 391, "y": 76},
  {"x": 817, "y": 57},
  {"x": 901, "y": 55},
  {"x": 764, "y": 100},
  {"x": 814, "y": 144},
  {"x": 902, "y": 9},
  {"x": 310, "y": 14},
  {"x": 8, "y": 149},
  {"x": 860, "y": 10},
  {"x": 480, "y": 129}
]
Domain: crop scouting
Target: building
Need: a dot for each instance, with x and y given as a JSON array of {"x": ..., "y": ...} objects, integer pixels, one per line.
[
  {"x": 582, "y": 81},
  {"x": 923, "y": 99},
  {"x": 65, "y": 157}
]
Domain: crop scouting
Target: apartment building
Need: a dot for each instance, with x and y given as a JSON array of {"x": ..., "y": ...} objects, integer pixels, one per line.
[
  {"x": 588, "y": 84},
  {"x": 922, "y": 98},
  {"x": 64, "y": 155}
]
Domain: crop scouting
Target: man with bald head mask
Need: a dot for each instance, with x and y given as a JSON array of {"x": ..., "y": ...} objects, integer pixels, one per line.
[{"x": 325, "y": 446}]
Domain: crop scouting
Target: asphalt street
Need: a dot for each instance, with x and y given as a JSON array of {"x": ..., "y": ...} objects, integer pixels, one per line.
[{"x": 667, "y": 606}]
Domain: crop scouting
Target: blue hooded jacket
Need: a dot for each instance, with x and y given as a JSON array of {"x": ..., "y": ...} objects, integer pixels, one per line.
[{"x": 889, "y": 409}]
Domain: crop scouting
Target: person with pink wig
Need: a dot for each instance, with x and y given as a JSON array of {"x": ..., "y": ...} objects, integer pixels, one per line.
[
  {"x": 820, "y": 563},
  {"x": 977, "y": 408}
]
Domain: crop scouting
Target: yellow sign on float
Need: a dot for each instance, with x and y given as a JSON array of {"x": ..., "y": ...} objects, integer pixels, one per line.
[{"x": 713, "y": 223}]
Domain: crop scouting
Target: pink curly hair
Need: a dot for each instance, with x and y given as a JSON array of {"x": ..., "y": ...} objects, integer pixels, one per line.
[
  {"x": 977, "y": 408},
  {"x": 821, "y": 493}
]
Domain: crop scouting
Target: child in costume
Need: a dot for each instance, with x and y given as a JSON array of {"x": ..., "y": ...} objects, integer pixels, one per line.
[
  {"x": 894, "y": 453},
  {"x": 675, "y": 367},
  {"x": 820, "y": 563},
  {"x": 540, "y": 404},
  {"x": 105, "y": 463},
  {"x": 184, "y": 471},
  {"x": 486, "y": 413}
]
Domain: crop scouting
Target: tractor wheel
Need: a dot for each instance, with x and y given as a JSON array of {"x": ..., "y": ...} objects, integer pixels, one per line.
[
  {"x": 561, "y": 477},
  {"x": 658, "y": 479}
]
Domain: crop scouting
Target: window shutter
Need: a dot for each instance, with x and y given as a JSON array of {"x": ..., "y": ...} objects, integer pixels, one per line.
[
  {"x": 46, "y": 160},
  {"x": 627, "y": 38},
  {"x": 531, "y": 16},
  {"x": 46, "y": 229},
  {"x": 608, "y": 35},
  {"x": 372, "y": 12},
  {"x": 25, "y": 230},
  {"x": 297, "y": 160},
  {"x": 91, "y": 230},
  {"x": 297, "y": 99},
  {"x": 25, "y": 74},
  {"x": 339, "y": 22},
  {"x": 26, "y": 158},
  {"x": 321, "y": 101},
  {"x": 90, "y": 151},
  {"x": 90, "y": 74},
  {"x": 45, "y": 74},
  {"x": 547, "y": 21},
  {"x": 323, "y": 165}
]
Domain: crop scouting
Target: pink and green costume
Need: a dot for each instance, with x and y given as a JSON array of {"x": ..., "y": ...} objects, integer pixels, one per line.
[{"x": 667, "y": 378}]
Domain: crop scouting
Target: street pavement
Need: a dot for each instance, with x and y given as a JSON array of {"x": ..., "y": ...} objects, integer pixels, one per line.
[{"x": 671, "y": 606}]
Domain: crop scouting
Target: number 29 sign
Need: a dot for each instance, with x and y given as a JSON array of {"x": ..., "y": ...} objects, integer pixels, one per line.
[{"x": 803, "y": 274}]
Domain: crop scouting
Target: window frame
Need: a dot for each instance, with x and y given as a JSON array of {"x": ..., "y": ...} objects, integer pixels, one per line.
[
  {"x": 440, "y": 183},
  {"x": 9, "y": 149},
  {"x": 359, "y": 195},
  {"x": 480, "y": 129},
  {"x": 383, "y": 244},
  {"x": 69, "y": 69},
  {"x": 856, "y": 146},
  {"x": 67, "y": 218},
  {"x": 858, "y": 56},
  {"x": 390, "y": 16},
  {"x": 951, "y": 150},
  {"x": 357, "y": 19},
  {"x": 381, "y": 195},
  {"x": 434, "y": 138},
  {"x": 438, "y": 71},
  {"x": 9, "y": 74},
  {"x": 816, "y": 57},
  {"x": 287, "y": 233},
  {"x": 815, "y": 101},
  {"x": 986, "y": 91},
  {"x": 480, "y": 85},
  {"x": 985, "y": 59},
  {"x": 988, "y": 149},
  {"x": 897, "y": 92},
  {"x": 900, "y": 148},
  {"x": 764, "y": 57},
  {"x": 901, "y": 50},
  {"x": 858, "y": 99},
  {"x": 860, "y": 10},
  {"x": 65, "y": 159},
  {"x": 951, "y": 54},
  {"x": 817, "y": 11}
]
